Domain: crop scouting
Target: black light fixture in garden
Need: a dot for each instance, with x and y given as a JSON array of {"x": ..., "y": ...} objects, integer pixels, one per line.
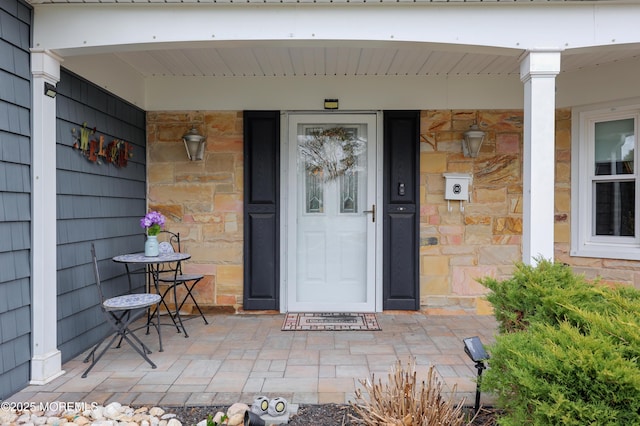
[{"x": 474, "y": 348}]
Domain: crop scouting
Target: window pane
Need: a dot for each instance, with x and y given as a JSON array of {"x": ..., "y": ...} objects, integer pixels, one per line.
[
  {"x": 314, "y": 190},
  {"x": 349, "y": 192},
  {"x": 614, "y": 147},
  {"x": 615, "y": 208}
]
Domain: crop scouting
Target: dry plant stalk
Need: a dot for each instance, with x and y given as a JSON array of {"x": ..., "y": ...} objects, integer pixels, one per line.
[{"x": 405, "y": 402}]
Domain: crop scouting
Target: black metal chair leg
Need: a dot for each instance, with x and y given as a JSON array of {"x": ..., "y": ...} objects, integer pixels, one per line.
[
  {"x": 189, "y": 294},
  {"x": 175, "y": 299},
  {"x": 96, "y": 359}
]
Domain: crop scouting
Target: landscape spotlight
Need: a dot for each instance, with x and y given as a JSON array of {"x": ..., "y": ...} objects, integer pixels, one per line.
[{"x": 474, "y": 348}]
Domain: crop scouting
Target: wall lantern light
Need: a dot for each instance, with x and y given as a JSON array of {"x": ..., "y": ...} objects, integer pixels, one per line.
[
  {"x": 475, "y": 350},
  {"x": 472, "y": 141},
  {"x": 194, "y": 144},
  {"x": 50, "y": 90}
]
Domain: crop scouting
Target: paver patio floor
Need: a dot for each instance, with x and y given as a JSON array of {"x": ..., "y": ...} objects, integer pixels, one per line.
[{"x": 238, "y": 357}]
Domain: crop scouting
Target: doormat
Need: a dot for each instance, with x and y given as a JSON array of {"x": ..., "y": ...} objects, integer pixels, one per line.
[{"x": 329, "y": 321}]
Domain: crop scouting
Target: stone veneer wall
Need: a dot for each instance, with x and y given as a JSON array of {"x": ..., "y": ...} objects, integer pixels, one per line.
[
  {"x": 456, "y": 247},
  {"x": 203, "y": 201}
]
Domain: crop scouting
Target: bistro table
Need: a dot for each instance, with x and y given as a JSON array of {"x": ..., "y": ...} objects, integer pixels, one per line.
[{"x": 154, "y": 266}]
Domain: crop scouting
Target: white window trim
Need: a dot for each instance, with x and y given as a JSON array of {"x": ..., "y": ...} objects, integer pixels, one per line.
[{"x": 583, "y": 243}]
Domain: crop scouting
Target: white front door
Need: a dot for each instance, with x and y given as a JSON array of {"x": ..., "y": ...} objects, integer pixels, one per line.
[{"x": 330, "y": 192}]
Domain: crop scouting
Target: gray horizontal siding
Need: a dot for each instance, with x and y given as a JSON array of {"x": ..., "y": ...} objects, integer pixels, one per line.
[
  {"x": 15, "y": 195},
  {"x": 98, "y": 203}
]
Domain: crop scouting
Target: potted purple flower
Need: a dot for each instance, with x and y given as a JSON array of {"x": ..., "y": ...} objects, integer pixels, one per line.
[{"x": 152, "y": 222}]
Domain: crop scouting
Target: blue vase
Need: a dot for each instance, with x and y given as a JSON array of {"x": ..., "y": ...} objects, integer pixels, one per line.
[{"x": 151, "y": 246}]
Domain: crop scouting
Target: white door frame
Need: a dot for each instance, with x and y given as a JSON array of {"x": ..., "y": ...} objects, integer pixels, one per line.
[{"x": 286, "y": 198}]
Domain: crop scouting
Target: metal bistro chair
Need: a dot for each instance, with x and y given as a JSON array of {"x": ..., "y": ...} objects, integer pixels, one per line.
[
  {"x": 120, "y": 312},
  {"x": 173, "y": 277}
]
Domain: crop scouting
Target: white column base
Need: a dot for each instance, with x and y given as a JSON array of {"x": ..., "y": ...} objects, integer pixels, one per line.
[{"x": 45, "y": 368}]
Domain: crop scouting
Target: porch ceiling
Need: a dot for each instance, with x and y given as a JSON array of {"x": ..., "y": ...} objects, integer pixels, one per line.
[{"x": 260, "y": 59}]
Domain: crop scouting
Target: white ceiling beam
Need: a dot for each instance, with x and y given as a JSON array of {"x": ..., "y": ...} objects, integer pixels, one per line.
[{"x": 62, "y": 27}]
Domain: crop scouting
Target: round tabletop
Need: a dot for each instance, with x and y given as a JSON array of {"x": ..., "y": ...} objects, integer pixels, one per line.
[{"x": 141, "y": 258}]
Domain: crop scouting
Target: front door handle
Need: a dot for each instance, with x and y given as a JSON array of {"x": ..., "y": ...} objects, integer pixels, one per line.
[{"x": 373, "y": 212}]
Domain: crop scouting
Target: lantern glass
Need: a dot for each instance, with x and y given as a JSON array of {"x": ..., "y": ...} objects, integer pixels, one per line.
[
  {"x": 472, "y": 141},
  {"x": 194, "y": 144}
]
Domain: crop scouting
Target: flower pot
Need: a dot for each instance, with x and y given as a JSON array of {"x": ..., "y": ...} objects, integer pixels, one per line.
[{"x": 151, "y": 248}]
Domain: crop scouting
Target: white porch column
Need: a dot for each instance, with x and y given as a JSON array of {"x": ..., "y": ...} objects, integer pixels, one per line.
[
  {"x": 538, "y": 69},
  {"x": 46, "y": 361}
]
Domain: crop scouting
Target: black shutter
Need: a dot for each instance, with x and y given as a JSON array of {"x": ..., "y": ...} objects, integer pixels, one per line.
[
  {"x": 401, "y": 210},
  {"x": 261, "y": 209}
]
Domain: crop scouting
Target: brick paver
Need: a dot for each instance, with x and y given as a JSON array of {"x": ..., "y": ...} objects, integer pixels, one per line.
[{"x": 238, "y": 357}]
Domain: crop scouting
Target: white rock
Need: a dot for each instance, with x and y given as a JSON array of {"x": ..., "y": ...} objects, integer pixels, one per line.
[
  {"x": 123, "y": 418},
  {"x": 168, "y": 416},
  {"x": 156, "y": 411},
  {"x": 53, "y": 412},
  {"x": 217, "y": 418},
  {"x": 142, "y": 410},
  {"x": 202, "y": 423},
  {"x": 162, "y": 423},
  {"x": 111, "y": 413},
  {"x": 139, "y": 417},
  {"x": 236, "y": 419},
  {"x": 145, "y": 422},
  {"x": 174, "y": 422},
  {"x": 7, "y": 417},
  {"x": 115, "y": 405},
  {"x": 97, "y": 413},
  {"x": 113, "y": 410},
  {"x": 154, "y": 420},
  {"x": 38, "y": 420},
  {"x": 24, "y": 418},
  {"x": 81, "y": 420},
  {"x": 237, "y": 408}
]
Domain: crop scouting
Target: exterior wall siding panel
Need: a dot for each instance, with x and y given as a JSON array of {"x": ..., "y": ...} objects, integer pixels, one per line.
[
  {"x": 99, "y": 203},
  {"x": 15, "y": 188}
]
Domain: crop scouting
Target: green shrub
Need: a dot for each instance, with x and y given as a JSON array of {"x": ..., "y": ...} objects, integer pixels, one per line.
[
  {"x": 570, "y": 350},
  {"x": 548, "y": 293},
  {"x": 557, "y": 375},
  {"x": 516, "y": 300}
]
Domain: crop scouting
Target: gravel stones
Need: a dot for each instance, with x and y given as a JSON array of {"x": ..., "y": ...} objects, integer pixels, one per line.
[{"x": 113, "y": 414}]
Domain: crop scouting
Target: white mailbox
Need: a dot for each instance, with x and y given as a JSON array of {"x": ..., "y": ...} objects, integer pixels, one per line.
[{"x": 457, "y": 186}]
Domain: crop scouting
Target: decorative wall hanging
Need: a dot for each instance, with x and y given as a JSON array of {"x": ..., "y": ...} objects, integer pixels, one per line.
[
  {"x": 331, "y": 152},
  {"x": 116, "y": 152}
]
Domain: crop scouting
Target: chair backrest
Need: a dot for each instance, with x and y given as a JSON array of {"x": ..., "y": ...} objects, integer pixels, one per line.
[
  {"x": 96, "y": 272},
  {"x": 170, "y": 242},
  {"x": 172, "y": 238}
]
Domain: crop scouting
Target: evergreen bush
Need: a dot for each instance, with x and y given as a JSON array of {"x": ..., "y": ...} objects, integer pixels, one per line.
[
  {"x": 569, "y": 351},
  {"x": 559, "y": 376},
  {"x": 517, "y": 300}
]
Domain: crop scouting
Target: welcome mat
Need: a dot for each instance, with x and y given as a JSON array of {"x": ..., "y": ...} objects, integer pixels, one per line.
[{"x": 329, "y": 321}]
